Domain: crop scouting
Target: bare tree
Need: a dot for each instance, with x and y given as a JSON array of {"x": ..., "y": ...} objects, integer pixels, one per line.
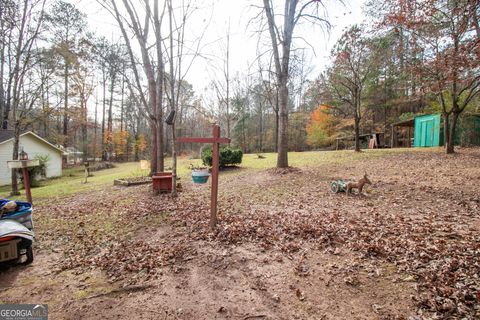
[
  {"x": 68, "y": 24},
  {"x": 153, "y": 105},
  {"x": 352, "y": 66},
  {"x": 222, "y": 85},
  {"x": 83, "y": 86},
  {"x": 179, "y": 65},
  {"x": 281, "y": 36},
  {"x": 23, "y": 88}
]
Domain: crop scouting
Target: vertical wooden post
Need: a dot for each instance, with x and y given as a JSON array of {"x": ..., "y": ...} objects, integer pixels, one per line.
[
  {"x": 408, "y": 138},
  {"x": 392, "y": 138},
  {"x": 26, "y": 183},
  {"x": 215, "y": 140},
  {"x": 215, "y": 168}
]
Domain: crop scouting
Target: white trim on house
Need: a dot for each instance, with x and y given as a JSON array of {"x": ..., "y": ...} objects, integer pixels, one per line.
[{"x": 39, "y": 138}]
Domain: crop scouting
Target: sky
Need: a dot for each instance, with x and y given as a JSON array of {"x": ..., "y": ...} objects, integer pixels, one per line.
[{"x": 216, "y": 15}]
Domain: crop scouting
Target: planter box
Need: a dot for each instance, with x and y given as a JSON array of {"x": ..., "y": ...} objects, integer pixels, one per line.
[
  {"x": 162, "y": 182},
  {"x": 132, "y": 182}
]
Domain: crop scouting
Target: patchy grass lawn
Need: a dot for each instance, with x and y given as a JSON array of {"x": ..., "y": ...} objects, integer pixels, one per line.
[
  {"x": 286, "y": 247},
  {"x": 72, "y": 180}
]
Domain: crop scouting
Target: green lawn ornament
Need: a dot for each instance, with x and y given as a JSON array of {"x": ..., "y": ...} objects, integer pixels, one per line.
[
  {"x": 338, "y": 186},
  {"x": 347, "y": 186}
]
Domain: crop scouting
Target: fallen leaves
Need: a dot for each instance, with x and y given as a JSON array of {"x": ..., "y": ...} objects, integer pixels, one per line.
[{"x": 423, "y": 219}]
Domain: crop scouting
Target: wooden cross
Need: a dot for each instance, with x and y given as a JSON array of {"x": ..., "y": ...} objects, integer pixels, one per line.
[{"x": 215, "y": 140}]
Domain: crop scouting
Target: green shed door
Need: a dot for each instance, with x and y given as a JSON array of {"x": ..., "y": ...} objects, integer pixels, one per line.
[
  {"x": 426, "y": 133},
  {"x": 427, "y": 130}
]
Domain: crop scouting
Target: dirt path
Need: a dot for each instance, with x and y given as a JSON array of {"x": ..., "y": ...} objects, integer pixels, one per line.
[{"x": 286, "y": 247}]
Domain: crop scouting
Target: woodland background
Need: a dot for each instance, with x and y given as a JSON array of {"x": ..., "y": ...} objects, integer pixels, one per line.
[{"x": 108, "y": 99}]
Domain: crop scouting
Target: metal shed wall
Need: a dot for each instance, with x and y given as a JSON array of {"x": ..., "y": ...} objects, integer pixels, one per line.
[{"x": 427, "y": 131}]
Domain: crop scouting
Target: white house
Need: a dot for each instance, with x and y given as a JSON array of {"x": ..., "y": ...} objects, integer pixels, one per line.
[
  {"x": 72, "y": 155},
  {"x": 33, "y": 145}
]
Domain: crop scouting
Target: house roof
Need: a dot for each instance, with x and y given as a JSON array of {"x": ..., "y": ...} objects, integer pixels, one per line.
[
  {"x": 404, "y": 123},
  {"x": 7, "y": 135}
]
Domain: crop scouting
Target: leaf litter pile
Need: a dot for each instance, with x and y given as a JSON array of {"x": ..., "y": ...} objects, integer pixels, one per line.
[{"x": 422, "y": 215}]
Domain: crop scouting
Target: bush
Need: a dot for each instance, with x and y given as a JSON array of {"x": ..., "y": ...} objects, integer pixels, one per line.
[
  {"x": 36, "y": 173},
  {"x": 228, "y": 156}
]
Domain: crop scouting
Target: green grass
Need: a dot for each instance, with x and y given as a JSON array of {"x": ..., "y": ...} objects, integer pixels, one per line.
[
  {"x": 72, "y": 180},
  {"x": 314, "y": 158}
]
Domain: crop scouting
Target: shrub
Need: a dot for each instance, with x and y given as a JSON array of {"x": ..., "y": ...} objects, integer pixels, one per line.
[
  {"x": 228, "y": 156},
  {"x": 38, "y": 172}
]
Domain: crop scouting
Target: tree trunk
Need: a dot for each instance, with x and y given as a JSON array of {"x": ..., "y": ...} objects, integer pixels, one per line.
[
  {"x": 357, "y": 134},
  {"x": 121, "y": 103},
  {"x": 104, "y": 78},
  {"x": 110, "y": 120},
  {"x": 65, "y": 106},
  {"x": 451, "y": 134},
  {"x": 45, "y": 109},
  {"x": 277, "y": 121},
  {"x": 173, "y": 102},
  {"x": 174, "y": 162},
  {"x": 6, "y": 112},
  {"x": 156, "y": 164},
  {"x": 446, "y": 130},
  {"x": 84, "y": 127},
  {"x": 260, "y": 129},
  {"x": 282, "y": 153},
  {"x": 2, "y": 72},
  {"x": 16, "y": 142},
  {"x": 7, "y": 106},
  {"x": 154, "y": 146},
  {"x": 228, "y": 81},
  {"x": 137, "y": 136},
  {"x": 95, "y": 129},
  {"x": 244, "y": 134}
]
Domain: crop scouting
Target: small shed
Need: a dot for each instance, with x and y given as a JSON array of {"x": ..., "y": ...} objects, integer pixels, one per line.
[
  {"x": 427, "y": 131},
  {"x": 402, "y": 134},
  {"x": 32, "y": 144}
]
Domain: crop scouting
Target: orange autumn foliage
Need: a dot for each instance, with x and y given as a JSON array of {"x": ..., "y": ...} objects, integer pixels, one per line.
[
  {"x": 141, "y": 143},
  {"x": 120, "y": 141},
  {"x": 320, "y": 128}
]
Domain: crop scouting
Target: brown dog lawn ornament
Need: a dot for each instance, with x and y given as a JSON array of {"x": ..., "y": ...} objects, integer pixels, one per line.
[{"x": 358, "y": 185}]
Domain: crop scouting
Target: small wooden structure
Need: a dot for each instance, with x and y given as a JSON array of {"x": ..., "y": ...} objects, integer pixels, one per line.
[
  {"x": 348, "y": 142},
  {"x": 24, "y": 165},
  {"x": 162, "y": 182},
  {"x": 216, "y": 140},
  {"x": 402, "y": 134}
]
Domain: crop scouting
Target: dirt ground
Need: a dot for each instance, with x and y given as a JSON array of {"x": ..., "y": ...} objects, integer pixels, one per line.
[{"x": 286, "y": 247}]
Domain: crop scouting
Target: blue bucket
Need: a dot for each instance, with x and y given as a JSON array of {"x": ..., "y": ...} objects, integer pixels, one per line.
[{"x": 200, "y": 176}]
